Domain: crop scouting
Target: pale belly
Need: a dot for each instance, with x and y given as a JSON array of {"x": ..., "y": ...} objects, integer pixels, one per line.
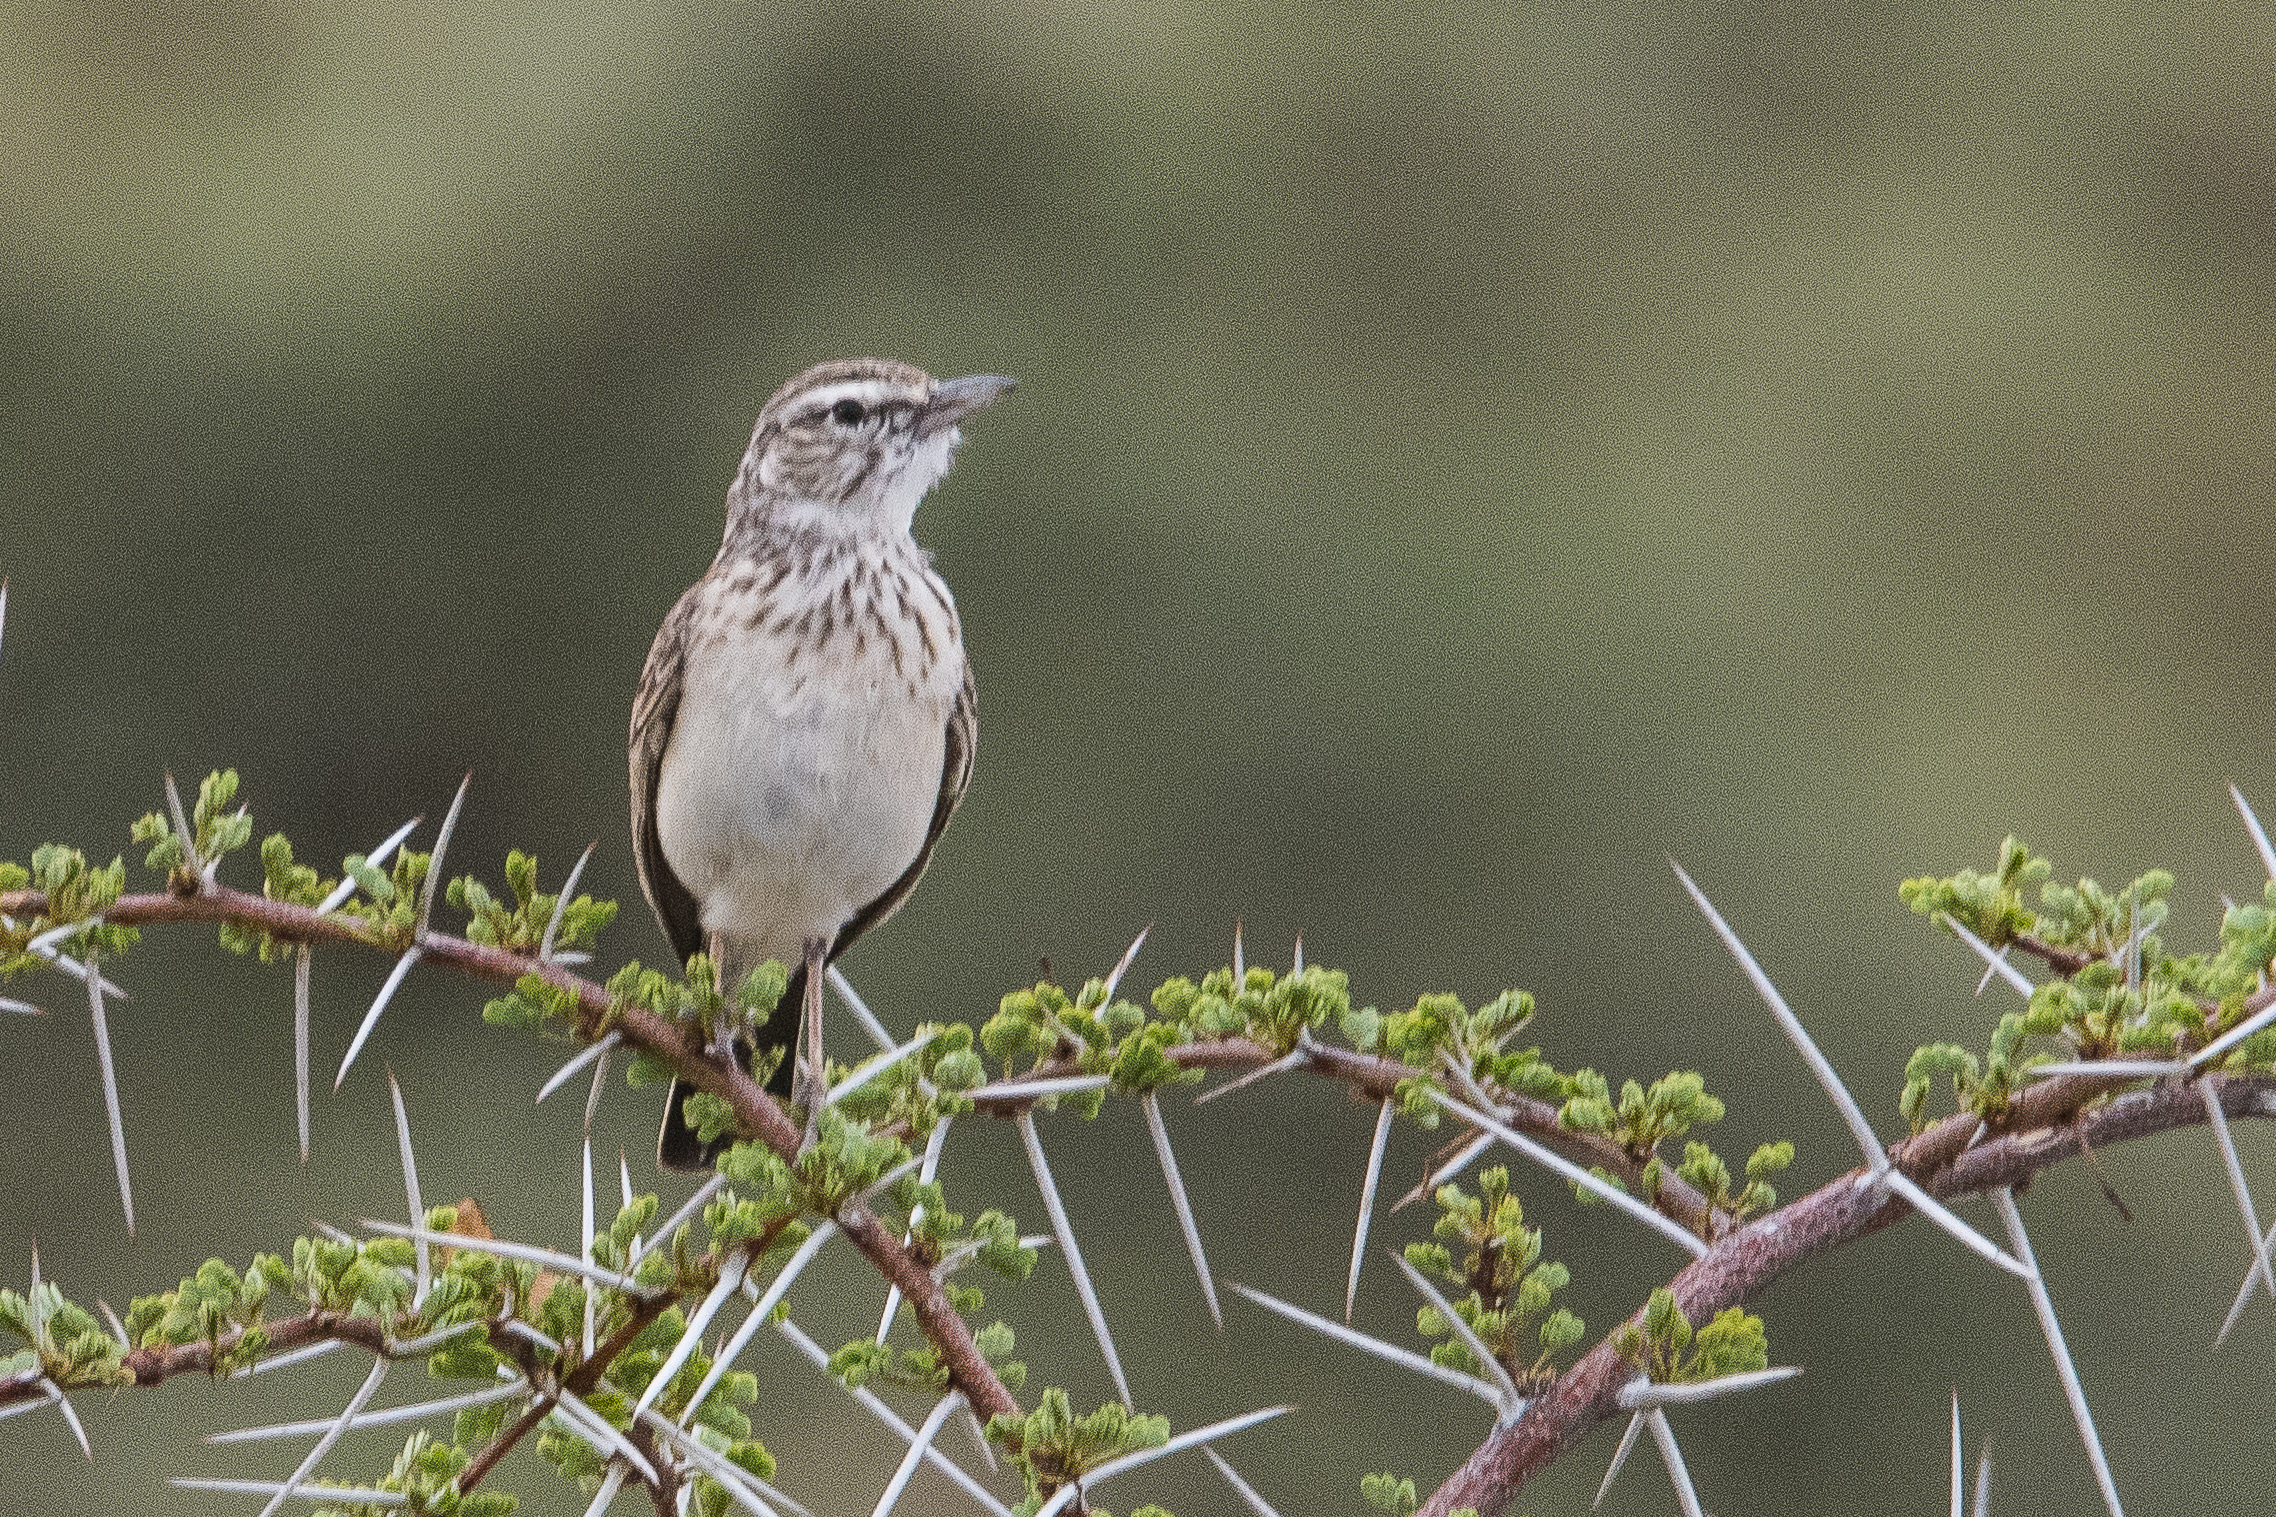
[{"x": 786, "y": 803}]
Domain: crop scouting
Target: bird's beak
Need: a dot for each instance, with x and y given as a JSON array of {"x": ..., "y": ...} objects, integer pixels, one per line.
[{"x": 954, "y": 399}]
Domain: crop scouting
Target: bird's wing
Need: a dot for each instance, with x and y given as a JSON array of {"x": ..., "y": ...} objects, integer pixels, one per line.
[
  {"x": 955, "y": 775},
  {"x": 654, "y": 710}
]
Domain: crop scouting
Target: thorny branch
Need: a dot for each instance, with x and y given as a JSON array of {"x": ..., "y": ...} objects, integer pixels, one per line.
[
  {"x": 759, "y": 1116},
  {"x": 2040, "y": 1133},
  {"x": 2045, "y": 1123},
  {"x": 756, "y": 1113}
]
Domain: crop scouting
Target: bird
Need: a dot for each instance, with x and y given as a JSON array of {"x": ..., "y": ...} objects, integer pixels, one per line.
[{"x": 805, "y": 724}]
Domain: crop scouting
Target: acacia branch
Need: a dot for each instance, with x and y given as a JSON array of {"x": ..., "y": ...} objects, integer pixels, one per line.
[
  {"x": 1377, "y": 1077},
  {"x": 2046, "y": 1126},
  {"x": 757, "y": 1115}
]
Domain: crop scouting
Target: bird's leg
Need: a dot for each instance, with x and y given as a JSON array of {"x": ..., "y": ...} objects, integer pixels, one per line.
[
  {"x": 814, "y": 1073},
  {"x": 722, "y": 1041}
]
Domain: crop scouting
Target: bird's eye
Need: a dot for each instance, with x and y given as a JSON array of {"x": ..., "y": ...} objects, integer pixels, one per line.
[{"x": 847, "y": 412}]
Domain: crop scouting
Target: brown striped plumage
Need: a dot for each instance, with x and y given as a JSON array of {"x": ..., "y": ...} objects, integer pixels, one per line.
[{"x": 805, "y": 725}]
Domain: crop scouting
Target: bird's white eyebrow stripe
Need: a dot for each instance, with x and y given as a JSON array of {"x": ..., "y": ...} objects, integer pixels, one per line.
[{"x": 870, "y": 392}]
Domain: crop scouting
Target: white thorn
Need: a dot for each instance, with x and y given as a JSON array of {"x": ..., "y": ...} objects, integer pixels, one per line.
[
  {"x": 182, "y": 830},
  {"x": 680, "y": 1218},
  {"x": 332, "y": 1434},
  {"x": 387, "y": 991},
  {"x": 611, "y": 1484},
  {"x": 964, "y": 1253},
  {"x": 2244, "y": 1291},
  {"x": 593, "y": 1096},
  {"x": 1944, "y": 1217},
  {"x": 1983, "y": 1485},
  {"x": 586, "y": 1055},
  {"x": 585, "y": 1234},
  {"x": 425, "y": 1343},
  {"x": 2133, "y": 948},
  {"x": 111, "y": 1319},
  {"x": 1464, "y": 1157},
  {"x": 2234, "y": 1036},
  {"x": 1663, "y": 1434},
  {"x": 1067, "y": 1494},
  {"x": 505, "y": 1250},
  {"x": 600, "y": 1432},
  {"x": 877, "y": 1066},
  {"x": 329, "y": 1495},
  {"x": 1297, "y": 964},
  {"x": 2260, "y": 843},
  {"x": 1548, "y": 1158},
  {"x": 1006, "y": 1091},
  {"x": 63, "y": 1405},
  {"x": 859, "y": 1007},
  {"x": 762, "y": 1307},
  {"x": 377, "y": 858},
  {"x": 1641, "y": 1394},
  {"x": 411, "y": 1189},
  {"x": 21, "y": 1008},
  {"x": 814, "y": 1354},
  {"x": 1150, "y": 1103},
  {"x": 1876, "y": 1158},
  {"x": 1512, "y": 1404},
  {"x": 561, "y": 901},
  {"x": 926, "y": 1431},
  {"x": 1066, "y": 1234},
  {"x": 1959, "y": 1462},
  {"x": 1241, "y": 1488},
  {"x": 1367, "y": 1186},
  {"x": 2115, "y": 1069},
  {"x": 1122, "y": 965},
  {"x": 1619, "y": 1459},
  {"x": 26, "y": 1408},
  {"x": 738, "y": 1482},
  {"x": 1390, "y": 1353},
  {"x": 391, "y": 1416},
  {"x": 980, "y": 1438},
  {"x": 42, "y": 946},
  {"x": 2218, "y": 1120},
  {"x": 303, "y": 963},
  {"x": 1995, "y": 960},
  {"x": 1240, "y": 965},
  {"x": 288, "y": 1359},
  {"x": 2044, "y": 1305},
  {"x": 435, "y": 862},
  {"x": 930, "y": 1168},
  {"x": 1300, "y": 1054},
  {"x": 529, "y": 1334},
  {"x": 94, "y": 978},
  {"x": 730, "y": 1280},
  {"x": 883, "y": 1183},
  {"x": 45, "y": 943}
]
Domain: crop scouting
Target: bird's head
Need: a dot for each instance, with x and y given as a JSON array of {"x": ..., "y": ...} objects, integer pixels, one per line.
[{"x": 854, "y": 445}]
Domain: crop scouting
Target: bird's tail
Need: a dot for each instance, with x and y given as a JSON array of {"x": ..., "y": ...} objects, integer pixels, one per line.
[{"x": 679, "y": 1146}]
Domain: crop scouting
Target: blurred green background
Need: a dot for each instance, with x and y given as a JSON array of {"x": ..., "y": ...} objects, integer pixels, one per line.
[{"x": 1463, "y": 456}]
